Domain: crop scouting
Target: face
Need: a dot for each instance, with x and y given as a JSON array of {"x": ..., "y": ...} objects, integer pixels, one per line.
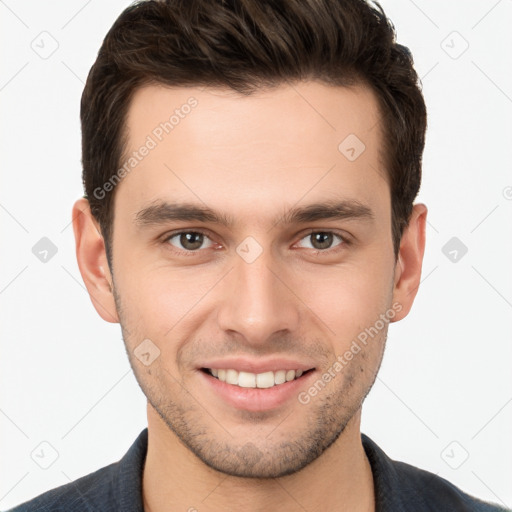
[{"x": 248, "y": 245}]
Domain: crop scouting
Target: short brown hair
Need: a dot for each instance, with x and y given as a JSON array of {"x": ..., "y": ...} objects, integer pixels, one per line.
[{"x": 246, "y": 45}]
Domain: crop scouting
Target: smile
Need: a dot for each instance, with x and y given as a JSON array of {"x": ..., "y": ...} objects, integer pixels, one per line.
[{"x": 254, "y": 380}]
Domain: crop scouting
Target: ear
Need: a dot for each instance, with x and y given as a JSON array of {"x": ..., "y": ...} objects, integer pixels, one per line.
[
  {"x": 92, "y": 261},
  {"x": 409, "y": 261}
]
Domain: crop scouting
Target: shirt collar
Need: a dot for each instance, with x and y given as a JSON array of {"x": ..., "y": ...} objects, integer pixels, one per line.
[
  {"x": 386, "y": 480},
  {"x": 128, "y": 477}
]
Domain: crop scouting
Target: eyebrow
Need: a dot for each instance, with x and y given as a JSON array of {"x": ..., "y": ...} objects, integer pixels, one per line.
[{"x": 161, "y": 212}]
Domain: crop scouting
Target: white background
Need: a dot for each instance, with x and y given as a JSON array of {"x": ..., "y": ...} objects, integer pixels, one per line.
[{"x": 446, "y": 377}]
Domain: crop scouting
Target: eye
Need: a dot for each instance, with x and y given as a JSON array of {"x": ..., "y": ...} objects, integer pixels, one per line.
[
  {"x": 193, "y": 241},
  {"x": 189, "y": 240},
  {"x": 323, "y": 240}
]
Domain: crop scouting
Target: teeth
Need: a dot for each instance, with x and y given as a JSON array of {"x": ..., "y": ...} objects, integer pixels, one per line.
[
  {"x": 246, "y": 380},
  {"x": 231, "y": 377},
  {"x": 265, "y": 380},
  {"x": 280, "y": 377},
  {"x": 253, "y": 380}
]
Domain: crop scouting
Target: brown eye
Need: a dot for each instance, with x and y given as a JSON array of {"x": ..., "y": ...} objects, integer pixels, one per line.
[
  {"x": 188, "y": 240},
  {"x": 322, "y": 240}
]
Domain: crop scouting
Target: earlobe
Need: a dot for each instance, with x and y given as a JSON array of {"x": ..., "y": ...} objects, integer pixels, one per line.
[
  {"x": 410, "y": 260},
  {"x": 92, "y": 261}
]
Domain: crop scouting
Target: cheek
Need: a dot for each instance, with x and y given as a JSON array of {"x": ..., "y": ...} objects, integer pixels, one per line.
[
  {"x": 347, "y": 299},
  {"x": 158, "y": 300}
]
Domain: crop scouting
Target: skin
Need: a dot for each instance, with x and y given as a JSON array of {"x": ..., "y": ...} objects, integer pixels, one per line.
[{"x": 253, "y": 158}]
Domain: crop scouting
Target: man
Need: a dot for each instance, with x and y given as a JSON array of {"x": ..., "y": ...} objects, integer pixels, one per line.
[{"x": 250, "y": 169}]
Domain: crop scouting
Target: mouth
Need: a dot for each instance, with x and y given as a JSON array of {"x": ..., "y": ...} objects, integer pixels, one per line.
[{"x": 262, "y": 380}]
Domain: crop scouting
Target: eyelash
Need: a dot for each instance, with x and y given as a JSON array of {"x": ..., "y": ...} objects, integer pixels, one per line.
[{"x": 344, "y": 241}]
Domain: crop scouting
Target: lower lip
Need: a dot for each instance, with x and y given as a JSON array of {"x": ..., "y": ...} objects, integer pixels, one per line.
[{"x": 257, "y": 399}]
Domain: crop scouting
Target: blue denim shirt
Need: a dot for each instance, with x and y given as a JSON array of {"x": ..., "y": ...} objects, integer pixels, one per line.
[{"x": 117, "y": 487}]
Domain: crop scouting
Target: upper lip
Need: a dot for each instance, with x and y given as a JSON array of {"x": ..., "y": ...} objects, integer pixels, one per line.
[{"x": 257, "y": 366}]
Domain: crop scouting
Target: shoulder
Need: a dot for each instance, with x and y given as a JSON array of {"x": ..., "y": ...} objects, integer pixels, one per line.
[
  {"x": 83, "y": 494},
  {"x": 400, "y": 486},
  {"x": 117, "y": 486},
  {"x": 436, "y": 493}
]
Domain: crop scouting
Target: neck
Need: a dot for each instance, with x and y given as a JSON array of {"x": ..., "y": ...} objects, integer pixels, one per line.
[{"x": 175, "y": 479}]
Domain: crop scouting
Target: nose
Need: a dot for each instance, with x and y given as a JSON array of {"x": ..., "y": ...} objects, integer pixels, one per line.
[{"x": 256, "y": 302}]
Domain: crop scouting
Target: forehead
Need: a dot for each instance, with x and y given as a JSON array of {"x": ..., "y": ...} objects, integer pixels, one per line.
[{"x": 257, "y": 151}]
